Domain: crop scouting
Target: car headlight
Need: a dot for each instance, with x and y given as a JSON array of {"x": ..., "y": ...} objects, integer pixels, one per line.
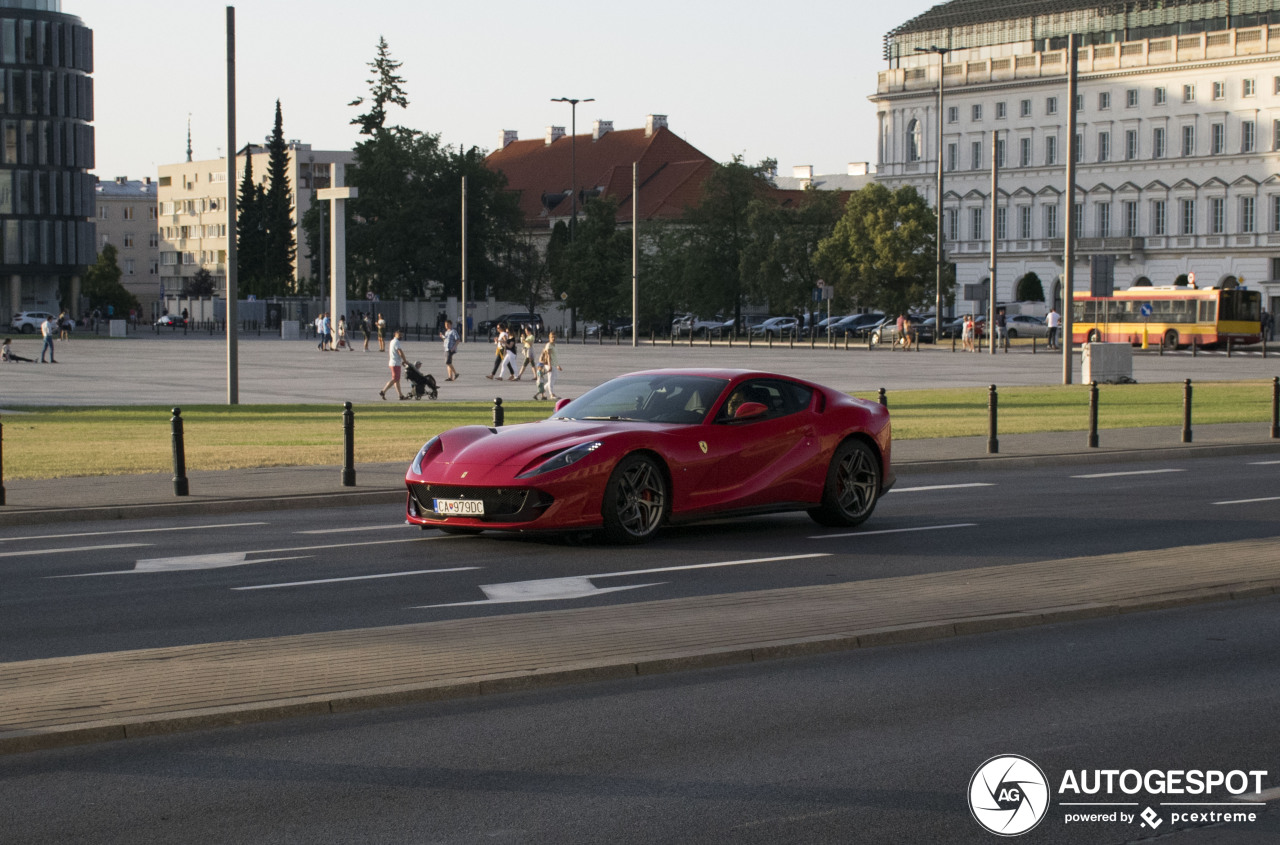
[
  {"x": 429, "y": 450},
  {"x": 560, "y": 460}
]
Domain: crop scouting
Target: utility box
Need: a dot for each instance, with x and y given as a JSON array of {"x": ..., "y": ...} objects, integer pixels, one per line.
[
  {"x": 116, "y": 328},
  {"x": 1107, "y": 363},
  {"x": 289, "y": 330}
]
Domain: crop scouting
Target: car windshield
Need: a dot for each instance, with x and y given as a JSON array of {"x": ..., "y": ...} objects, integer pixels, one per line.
[{"x": 682, "y": 399}]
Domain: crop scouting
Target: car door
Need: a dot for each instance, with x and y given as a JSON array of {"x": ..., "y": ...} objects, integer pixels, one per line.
[{"x": 765, "y": 460}]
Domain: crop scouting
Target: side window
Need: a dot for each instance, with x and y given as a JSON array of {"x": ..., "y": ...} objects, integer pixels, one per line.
[{"x": 779, "y": 397}]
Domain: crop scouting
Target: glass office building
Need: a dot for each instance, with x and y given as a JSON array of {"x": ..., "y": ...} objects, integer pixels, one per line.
[{"x": 46, "y": 153}]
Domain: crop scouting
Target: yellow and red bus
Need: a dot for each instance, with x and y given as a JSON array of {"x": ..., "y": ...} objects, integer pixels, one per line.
[{"x": 1174, "y": 316}]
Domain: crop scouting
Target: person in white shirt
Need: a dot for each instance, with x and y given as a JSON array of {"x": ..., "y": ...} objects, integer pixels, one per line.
[
  {"x": 1053, "y": 321},
  {"x": 48, "y": 329},
  {"x": 395, "y": 362}
]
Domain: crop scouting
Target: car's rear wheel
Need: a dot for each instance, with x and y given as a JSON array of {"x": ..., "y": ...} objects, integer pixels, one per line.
[
  {"x": 635, "y": 500},
  {"x": 852, "y": 488},
  {"x": 27, "y": 328}
]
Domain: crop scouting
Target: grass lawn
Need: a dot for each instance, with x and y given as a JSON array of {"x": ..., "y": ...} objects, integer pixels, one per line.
[{"x": 75, "y": 441}]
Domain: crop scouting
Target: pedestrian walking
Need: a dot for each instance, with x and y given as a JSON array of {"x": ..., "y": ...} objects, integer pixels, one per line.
[
  {"x": 1053, "y": 321},
  {"x": 450, "y": 347},
  {"x": 319, "y": 322},
  {"x": 542, "y": 375},
  {"x": 327, "y": 325},
  {"x": 509, "y": 346},
  {"x": 342, "y": 335},
  {"x": 382, "y": 327},
  {"x": 552, "y": 357},
  {"x": 396, "y": 361},
  {"x": 527, "y": 339},
  {"x": 1002, "y": 330},
  {"x": 364, "y": 329},
  {"x": 47, "y": 330},
  {"x": 64, "y": 327},
  {"x": 966, "y": 333}
]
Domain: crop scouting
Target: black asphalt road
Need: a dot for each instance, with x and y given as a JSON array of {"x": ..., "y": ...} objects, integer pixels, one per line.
[
  {"x": 78, "y": 588},
  {"x": 870, "y": 746}
]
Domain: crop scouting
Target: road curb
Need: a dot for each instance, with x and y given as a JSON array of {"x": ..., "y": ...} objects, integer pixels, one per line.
[{"x": 22, "y": 741}]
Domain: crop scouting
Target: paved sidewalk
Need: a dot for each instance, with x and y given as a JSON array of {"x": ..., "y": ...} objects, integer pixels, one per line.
[{"x": 102, "y": 697}]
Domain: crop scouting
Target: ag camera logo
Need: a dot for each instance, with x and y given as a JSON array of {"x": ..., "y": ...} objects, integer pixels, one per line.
[{"x": 1008, "y": 795}]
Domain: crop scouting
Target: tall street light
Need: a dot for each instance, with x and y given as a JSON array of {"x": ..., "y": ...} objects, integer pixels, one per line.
[
  {"x": 942, "y": 59},
  {"x": 573, "y": 155}
]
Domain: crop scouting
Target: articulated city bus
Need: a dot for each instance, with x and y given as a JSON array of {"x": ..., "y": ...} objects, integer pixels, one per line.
[{"x": 1174, "y": 316}]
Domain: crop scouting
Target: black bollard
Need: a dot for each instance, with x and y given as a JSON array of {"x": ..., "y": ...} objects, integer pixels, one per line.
[
  {"x": 884, "y": 398},
  {"x": 498, "y": 413},
  {"x": 1275, "y": 418},
  {"x": 1093, "y": 415},
  {"x": 180, "y": 486},
  {"x": 1228, "y": 347},
  {"x": 993, "y": 445},
  {"x": 348, "y": 446},
  {"x": 1186, "y": 412}
]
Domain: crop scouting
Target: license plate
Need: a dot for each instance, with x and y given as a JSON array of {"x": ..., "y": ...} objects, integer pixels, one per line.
[{"x": 459, "y": 507}]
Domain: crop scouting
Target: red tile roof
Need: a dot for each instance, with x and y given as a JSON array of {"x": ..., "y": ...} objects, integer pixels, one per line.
[{"x": 671, "y": 173}]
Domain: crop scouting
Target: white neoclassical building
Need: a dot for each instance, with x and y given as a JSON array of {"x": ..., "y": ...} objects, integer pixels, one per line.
[{"x": 1178, "y": 138}]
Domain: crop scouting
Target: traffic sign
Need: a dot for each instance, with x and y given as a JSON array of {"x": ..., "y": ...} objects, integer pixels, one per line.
[{"x": 1146, "y": 309}]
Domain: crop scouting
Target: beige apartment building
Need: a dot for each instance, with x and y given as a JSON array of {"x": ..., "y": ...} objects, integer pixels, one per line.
[
  {"x": 192, "y": 197},
  {"x": 126, "y": 218}
]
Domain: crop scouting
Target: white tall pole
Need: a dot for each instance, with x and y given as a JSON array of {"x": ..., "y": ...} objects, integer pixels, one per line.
[
  {"x": 1069, "y": 230},
  {"x": 462, "y": 329},
  {"x": 233, "y": 294},
  {"x": 635, "y": 252},
  {"x": 991, "y": 291}
]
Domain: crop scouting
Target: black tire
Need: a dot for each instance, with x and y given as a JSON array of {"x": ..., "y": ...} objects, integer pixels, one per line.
[
  {"x": 636, "y": 501},
  {"x": 1171, "y": 339},
  {"x": 457, "y": 529},
  {"x": 1013, "y": 334},
  {"x": 852, "y": 488},
  {"x": 28, "y": 329}
]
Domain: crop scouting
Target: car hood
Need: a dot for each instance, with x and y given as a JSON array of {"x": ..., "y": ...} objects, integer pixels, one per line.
[{"x": 521, "y": 445}]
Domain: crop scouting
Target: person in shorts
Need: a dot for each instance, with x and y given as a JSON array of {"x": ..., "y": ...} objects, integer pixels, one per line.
[
  {"x": 450, "y": 347},
  {"x": 395, "y": 362}
]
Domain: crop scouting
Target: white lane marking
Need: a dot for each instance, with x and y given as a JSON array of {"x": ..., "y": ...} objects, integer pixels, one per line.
[
  {"x": 940, "y": 487},
  {"x": 76, "y": 549},
  {"x": 895, "y": 530},
  {"x": 1133, "y": 472},
  {"x": 186, "y": 563},
  {"x": 1267, "y": 795},
  {"x": 1249, "y": 501},
  {"x": 1263, "y": 463},
  {"x": 382, "y": 527},
  {"x": 131, "y": 531},
  {"x": 356, "y": 578},
  {"x": 580, "y": 586},
  {"x": 218, "y": 560}
]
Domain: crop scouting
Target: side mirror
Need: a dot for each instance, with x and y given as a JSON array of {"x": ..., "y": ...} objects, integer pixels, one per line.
[
  {"x": 560, "y": 403},
  {"x": 749, "y": 410}
]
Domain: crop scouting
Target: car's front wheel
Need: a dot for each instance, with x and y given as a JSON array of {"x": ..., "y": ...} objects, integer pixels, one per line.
[
  {"x": 27, "y": 328},
  {"x": 635, "y": 500},
  {"x": 852, "y": 488}
]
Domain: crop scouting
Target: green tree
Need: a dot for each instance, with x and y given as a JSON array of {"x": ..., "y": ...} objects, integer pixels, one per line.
[
  {"x": 881, "y": 253},
  {"x": 1030, "y": 289},
  {"x": 199, "y": 284},
  {"x": 596, "y": 264},
  {"x": 664, "y": 251},
  {"x": 404, "y": 237},
  {"x": 251, "y": 255},
  {"x": 276, "y": 211},
  {"x": 719, "y": 272},
  {"x": 783, "y": 246},
  {"x": 102, "y": 284}
]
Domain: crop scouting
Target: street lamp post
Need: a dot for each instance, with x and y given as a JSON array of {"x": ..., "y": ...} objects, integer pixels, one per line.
[
  {"x": 942, "y": 59},
  {"x": 573, "y": 156}
]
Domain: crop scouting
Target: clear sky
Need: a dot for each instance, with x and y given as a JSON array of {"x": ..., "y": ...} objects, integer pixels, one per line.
[{"x": 782, "y": 80}]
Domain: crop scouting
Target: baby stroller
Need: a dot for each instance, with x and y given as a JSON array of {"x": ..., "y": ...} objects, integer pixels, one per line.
[{"x": 422, "y": 383}]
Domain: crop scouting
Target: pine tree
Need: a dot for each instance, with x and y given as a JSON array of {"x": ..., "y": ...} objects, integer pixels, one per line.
[
  {"x": 250, "y": 240},
  {"x": 277, "y": 215}
]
